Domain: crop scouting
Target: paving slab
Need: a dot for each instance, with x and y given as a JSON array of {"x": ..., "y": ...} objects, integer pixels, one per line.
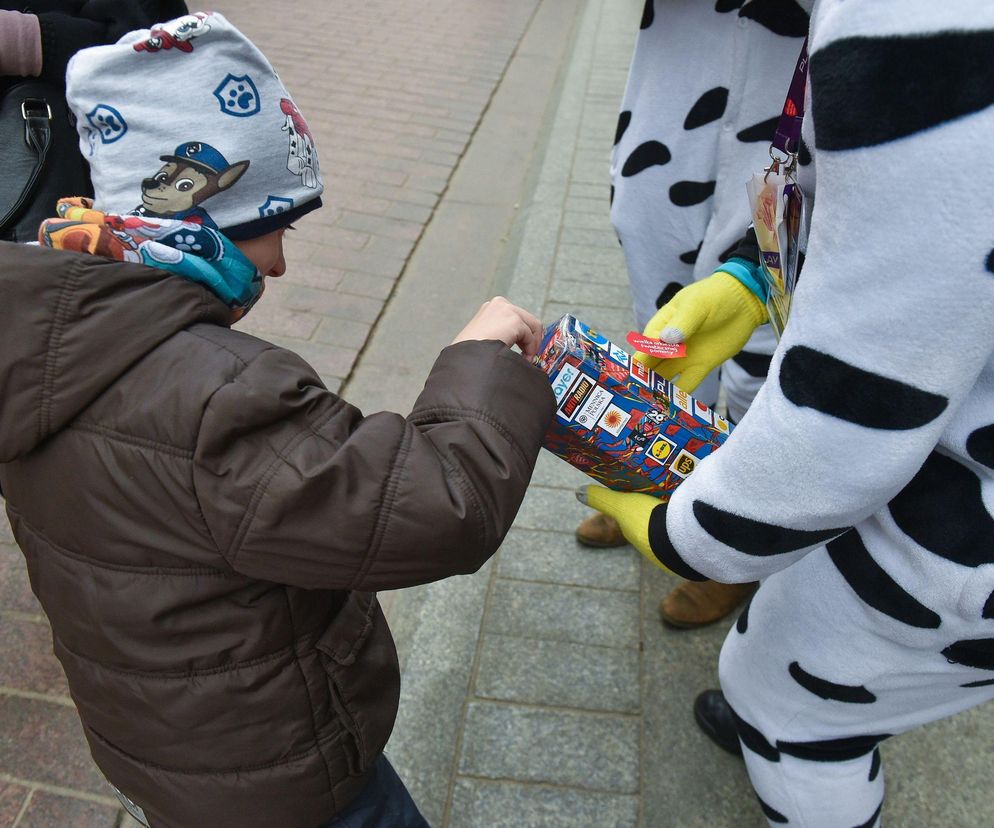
[
  {"x": 528, "y": 555},
  {"x": 506, "y": 741},
  {"x": 604, "y": 617},
  {"x": 47, "y": 810},
  {"x": 556, "y": 674},
  {"x": 550, "y": 509},
  {"x": 437, "y": 635},
  {"x": 482, "y": 804}
]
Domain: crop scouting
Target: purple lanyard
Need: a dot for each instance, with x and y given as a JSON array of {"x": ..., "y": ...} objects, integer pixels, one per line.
[{"x": 787, "y": 138}]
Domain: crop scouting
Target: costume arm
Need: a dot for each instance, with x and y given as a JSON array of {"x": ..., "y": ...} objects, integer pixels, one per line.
[{"x": 891, "y": 322}]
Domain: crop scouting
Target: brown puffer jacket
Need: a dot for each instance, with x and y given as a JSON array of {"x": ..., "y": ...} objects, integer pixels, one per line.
[{"x": 204, "y": 524}]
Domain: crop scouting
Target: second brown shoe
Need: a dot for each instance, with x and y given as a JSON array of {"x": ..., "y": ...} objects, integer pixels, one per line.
[
  {"x": 698, "y": 603},
  {"x": 600, "y": 531}
]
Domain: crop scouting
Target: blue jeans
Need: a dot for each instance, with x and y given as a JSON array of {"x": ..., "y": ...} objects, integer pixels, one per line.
[{"x": 383, "y": 803}]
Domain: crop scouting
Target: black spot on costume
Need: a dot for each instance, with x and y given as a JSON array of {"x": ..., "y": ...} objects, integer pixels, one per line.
[
  {"x": 829, "y": 689},
  {"x": 648, "y": 14},
  {"x": 812, "y": 379},
  {"x": 624, "y": 119},
  {"x": 709, "y": 107},
  {"x": 649, "y": 154},
  {"x": 688, "y": 193}
]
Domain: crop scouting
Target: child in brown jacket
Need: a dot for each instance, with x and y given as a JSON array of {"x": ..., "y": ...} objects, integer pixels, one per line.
[{"x": 204, "y": 523}]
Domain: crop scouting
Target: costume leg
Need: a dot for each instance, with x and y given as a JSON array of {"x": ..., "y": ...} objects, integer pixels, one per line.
[{"x": 817, "y": 678}]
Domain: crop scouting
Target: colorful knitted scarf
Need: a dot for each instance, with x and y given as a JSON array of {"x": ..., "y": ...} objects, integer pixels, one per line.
[{"x": 184, "y": 247}]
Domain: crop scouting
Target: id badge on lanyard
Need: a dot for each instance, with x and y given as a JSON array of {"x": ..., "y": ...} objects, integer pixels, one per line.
[{"x": 777, "y": 203}]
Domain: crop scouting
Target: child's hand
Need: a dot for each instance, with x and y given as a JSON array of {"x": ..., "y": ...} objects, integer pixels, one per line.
[{"x": 499, "y": 319}]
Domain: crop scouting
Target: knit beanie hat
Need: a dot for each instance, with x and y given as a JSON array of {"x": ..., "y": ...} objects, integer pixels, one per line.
[{"x": 188, "y": 120}]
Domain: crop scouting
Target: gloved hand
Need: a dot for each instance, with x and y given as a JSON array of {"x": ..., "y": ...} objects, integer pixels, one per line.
[
  {"x": 714, "y": 317},
  {"x": 630, "y": 509},
  {"x": 642, "y": 519}
]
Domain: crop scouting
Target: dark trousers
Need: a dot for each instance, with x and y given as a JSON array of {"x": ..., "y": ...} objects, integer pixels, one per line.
[{"x": 383, "y": 803}]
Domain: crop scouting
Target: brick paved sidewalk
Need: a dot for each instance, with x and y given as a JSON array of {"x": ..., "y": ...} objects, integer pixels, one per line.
[{"x": 393, "y": 91}]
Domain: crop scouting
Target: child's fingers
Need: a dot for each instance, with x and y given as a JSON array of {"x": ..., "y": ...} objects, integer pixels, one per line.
[{"x": 531, "y": 321}]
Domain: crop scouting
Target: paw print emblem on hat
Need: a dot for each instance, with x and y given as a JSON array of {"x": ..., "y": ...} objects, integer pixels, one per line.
[
  {"x": 238, "y": 96},
  {"x": 274, "y": 205},
  {"x": 108, "y": 122}
]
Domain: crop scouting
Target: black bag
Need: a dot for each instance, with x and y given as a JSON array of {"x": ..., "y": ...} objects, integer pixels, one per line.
[{"x": 40, "y": 161}]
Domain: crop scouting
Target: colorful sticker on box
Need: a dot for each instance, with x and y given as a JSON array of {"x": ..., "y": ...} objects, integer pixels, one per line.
[
  {"x": 619, "y": 355},
  {"x": 594, "y": 407},
  {"x": 682, "y": 399},
  {"x": 599, "y": 340},
  {"x": 641, "y": 373},
  {"x": 614, "y": 420},
  {"x": 721, "y": 424},
  {"x": 702, "y": 411},
  {"x": 664, "y": 387},
  {"x": 683, "y": 464},
  {"x": 576, "y": 397},
  {"x": 564, "y": 381},
  {"x": 661, "y": 450}
]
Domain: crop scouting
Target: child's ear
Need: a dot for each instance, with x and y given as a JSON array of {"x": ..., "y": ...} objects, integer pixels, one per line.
[{"x": 231, "y": 175}]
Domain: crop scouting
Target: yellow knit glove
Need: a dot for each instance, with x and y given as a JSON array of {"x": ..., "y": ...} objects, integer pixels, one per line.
[
  {"x": 714, "y": 317},
  {"x": 630, "y": 509}
]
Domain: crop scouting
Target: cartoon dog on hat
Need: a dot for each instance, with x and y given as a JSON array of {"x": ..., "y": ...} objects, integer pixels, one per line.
[{"x": 194, "y": 173}]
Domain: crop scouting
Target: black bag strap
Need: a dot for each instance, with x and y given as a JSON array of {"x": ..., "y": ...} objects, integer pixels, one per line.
[{"x": 37, "y": 116}]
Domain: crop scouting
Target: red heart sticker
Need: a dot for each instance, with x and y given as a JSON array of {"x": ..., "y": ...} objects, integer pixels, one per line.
[{"x": 656, "y": 347}]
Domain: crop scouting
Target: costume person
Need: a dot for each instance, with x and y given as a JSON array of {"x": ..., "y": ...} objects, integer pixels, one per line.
[
  {"x": 704, "y": 91},
  {"x": 859, "y": 484}
]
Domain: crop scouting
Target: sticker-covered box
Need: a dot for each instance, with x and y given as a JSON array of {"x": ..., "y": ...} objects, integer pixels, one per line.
[{"x": 618, "y": 421}]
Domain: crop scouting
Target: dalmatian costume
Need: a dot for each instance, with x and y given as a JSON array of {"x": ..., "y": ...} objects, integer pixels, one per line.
[
  {"x": 860, "y": 485},
  {"x": 704, "y": 92}
]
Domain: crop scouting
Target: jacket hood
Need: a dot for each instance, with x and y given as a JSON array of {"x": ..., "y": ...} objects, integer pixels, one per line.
[{"x": 71, "y": 324}]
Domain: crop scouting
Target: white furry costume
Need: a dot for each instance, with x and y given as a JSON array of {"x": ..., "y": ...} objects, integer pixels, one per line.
[
  {"x": 704, "y": 92},
  {"x": 860, "y": 485}
]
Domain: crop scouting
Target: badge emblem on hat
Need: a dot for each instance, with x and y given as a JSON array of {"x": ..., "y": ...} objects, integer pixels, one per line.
[
  {"x": 274, "y": 205},
  {"x": 238, "y": 96},
  {"x": 108, "y": 122}
]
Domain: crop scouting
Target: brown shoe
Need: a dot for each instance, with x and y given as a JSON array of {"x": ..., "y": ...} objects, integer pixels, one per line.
[
  {"x": 600, "y": 531},
  {"x": 698, "y": 603}
]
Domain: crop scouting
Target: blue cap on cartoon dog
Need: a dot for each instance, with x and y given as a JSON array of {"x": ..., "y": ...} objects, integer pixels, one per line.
[{"x": 203, "y": 155}]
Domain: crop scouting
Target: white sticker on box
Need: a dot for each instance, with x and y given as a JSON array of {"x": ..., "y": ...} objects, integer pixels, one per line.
[
  {"x": 701, "y": 411},
  {"x": 595, "y": 405},
  {"x": 721, "y": 423},
  {"x": 619, "y": 355},
  {"x": 564, "y": 379},
  {"x": 614, "y": 420},
  {"x": 641, "y": 373},
  {"x": 682, "y": 399}
]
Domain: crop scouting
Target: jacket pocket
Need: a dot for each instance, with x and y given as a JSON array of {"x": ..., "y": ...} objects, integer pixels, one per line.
[{"x": 363, "y": 677}]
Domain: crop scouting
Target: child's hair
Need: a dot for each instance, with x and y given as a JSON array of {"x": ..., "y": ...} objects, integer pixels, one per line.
[{"x": 189, "y": 120}]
